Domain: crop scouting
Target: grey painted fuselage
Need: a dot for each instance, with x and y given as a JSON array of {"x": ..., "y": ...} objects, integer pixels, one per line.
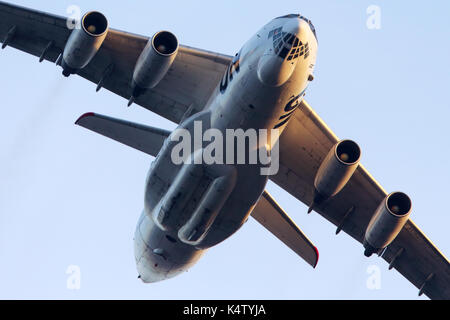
[{"x": 192, "y": 207}]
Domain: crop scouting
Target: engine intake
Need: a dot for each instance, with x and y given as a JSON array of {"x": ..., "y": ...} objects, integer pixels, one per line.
[
  {"x": 154, "y": 62},
  {"x": 348, "y": 152},
  {"x": 84, "y": 42},
  {"x": 94, "y": 23},
  {"x": 387, "y": 222},
  {"x": 336, "y": 170},
  {"x": 165, "y": 43}
]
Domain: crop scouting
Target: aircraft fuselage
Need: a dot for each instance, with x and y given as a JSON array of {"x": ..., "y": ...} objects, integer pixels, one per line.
[{"x": 190, "y": 207}]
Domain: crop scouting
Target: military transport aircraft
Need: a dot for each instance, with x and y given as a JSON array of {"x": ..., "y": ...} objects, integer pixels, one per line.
[{"x": 192, "y": 205}]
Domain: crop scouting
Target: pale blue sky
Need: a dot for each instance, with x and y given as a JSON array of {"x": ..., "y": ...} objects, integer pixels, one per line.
[{"x": 71, "y": 197}]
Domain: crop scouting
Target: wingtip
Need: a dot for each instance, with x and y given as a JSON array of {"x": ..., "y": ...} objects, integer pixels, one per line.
[
  {"x": 131, "y": 101},
  {"x": 87, "y": 114},
  {"x": 317, "y": 259}
]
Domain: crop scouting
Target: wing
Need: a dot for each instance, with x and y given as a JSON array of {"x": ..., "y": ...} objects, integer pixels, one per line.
[
  {"x": 268, "y": 213},
  {"x": 303, "y": 146},
  {"x": 144, "y": 138},
  {"x": 184, "y": 90}
]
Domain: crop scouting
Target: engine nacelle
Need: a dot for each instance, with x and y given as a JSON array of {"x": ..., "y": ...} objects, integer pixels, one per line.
[
  {"x": 387, "y": 222},
  {"x": 336, "y": 169},
  {"x": 84, "y": 42},
  {"x": 154, "y": 62}
]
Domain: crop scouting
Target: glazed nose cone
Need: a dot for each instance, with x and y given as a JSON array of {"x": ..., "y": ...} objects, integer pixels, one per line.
[{"x": 273, "y": 68}]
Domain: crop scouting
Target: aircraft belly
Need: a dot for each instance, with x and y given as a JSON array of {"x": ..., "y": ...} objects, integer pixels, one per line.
[
  {"x": 223, "y": 181},
  {"x": 248, "y": 103},
  {"x": 238, "y": 206}
]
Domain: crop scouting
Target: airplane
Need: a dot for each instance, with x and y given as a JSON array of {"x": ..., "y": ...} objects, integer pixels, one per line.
[{"x": 191, "y": 206}]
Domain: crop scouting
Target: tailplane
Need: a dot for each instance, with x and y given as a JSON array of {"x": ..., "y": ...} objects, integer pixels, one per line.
[
  {"x": 268, "y": 213},
  {"x": 144, "y": 138}
]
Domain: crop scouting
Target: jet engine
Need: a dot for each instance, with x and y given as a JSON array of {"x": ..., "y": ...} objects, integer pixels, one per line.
[
  {"x": 154, "y": 62},
  {"x": 336, "y": 170},
  {"x": 84, "y": 42},
  {"x": 387, "y": 222}
]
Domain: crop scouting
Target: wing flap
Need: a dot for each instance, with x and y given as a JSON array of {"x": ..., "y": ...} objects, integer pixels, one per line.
[
  {"x": 144, "y": 138},
  {"x": 272, "y": 217}
]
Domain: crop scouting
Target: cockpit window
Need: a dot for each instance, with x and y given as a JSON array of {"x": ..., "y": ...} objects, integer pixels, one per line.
[
  {"x": 274, "y": 32},
  {"x": 287, "y": 45}
]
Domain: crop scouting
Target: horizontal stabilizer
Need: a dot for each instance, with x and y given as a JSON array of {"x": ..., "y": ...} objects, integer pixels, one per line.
[
  {"x": 268, "y": 213},
  {"x": 144, "y": 138}
]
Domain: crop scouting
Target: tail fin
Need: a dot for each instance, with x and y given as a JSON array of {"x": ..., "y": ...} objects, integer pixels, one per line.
[{"x": 144, "y": 138}]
